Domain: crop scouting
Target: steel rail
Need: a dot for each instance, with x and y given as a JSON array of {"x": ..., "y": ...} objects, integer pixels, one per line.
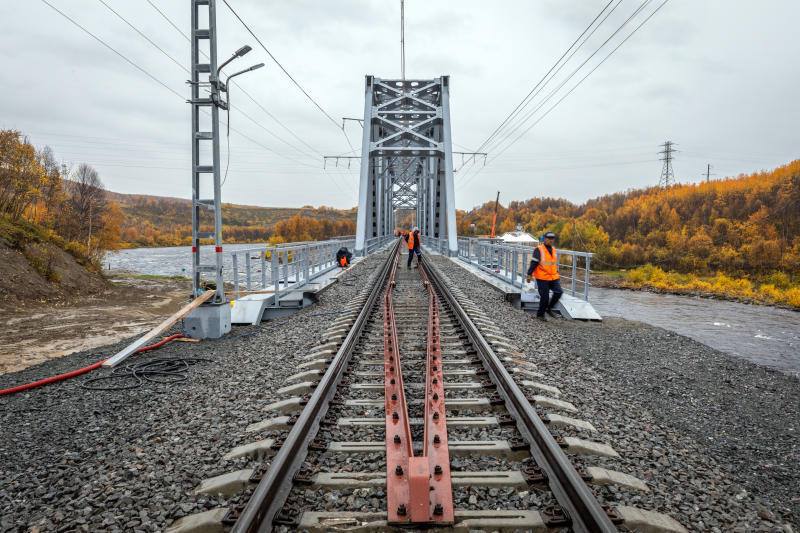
[
  {"x": 573, "y": 495},
  {"x": 273, "y": 489}
]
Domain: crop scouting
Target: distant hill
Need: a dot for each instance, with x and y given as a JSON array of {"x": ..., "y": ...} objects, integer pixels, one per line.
[
  {"x": 165, "y": 221},
  {"x": 747, "y": 225}
]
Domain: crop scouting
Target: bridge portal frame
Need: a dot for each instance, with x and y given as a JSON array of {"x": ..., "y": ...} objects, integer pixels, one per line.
[{"x": 407, "y": 159}]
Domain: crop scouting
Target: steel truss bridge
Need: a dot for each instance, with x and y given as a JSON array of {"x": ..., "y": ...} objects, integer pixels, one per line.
[{"x": 406, "y": 159}]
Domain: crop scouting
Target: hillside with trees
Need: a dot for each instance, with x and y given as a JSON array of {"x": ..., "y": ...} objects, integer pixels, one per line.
[
  {"x": 165, "y": 221},
  {"x": 745, "y": 227},
  {"x": 55, "y": 224}
]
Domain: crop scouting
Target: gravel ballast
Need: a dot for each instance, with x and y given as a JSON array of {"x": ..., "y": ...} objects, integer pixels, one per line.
[
  {"x": 714, "y": 437},
  {"x": 72, "y": 459}
]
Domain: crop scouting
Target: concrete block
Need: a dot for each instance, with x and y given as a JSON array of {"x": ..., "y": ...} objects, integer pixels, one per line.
[
  {"x": 205, "y": 522},
  {"x": 325, "y": 346},
  {"x": 451, "y": 403},
  {"x": 542, "y": 387},
  {"x": 289, "y": 405},
  {"x": 488, "y": 478},
  {"x": 318, "y": 364},
  {"x": 208, "y": 322},
  {"x": 258, "y": 449},
  {"x": 587, "y": 447},
  {"x": 226, "y": 484},
  {"x": 318, "y": 354},
  {"x": 297, "y": 388},
  {"x": 553, "y": 403},
  {"x": 496, "y": 345},
  {"x": 649, "y": 521},
  {"x": 308, "y": 375},
  {"x": 559, "y": 420},
  {"x": 603, "y": 476},
  {"x": 525, "y": 372},
  {"x": 452, "y": 421},
  {"x": 278, "y": 422},
  {"x": 465, "y": 521},
  {"x": 466, "y": 385}
]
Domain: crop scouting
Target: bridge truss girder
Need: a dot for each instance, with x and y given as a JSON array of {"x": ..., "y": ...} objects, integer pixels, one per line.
[{"x": 407, "y": 159}]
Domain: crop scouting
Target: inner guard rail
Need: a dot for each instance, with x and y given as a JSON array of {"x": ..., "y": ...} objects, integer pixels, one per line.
[
  {"x": 509, "y": 262},
  {"x": 286, "y": 267}
]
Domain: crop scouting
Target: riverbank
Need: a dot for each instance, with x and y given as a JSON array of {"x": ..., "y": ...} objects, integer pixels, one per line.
[
  {"x": 129, "y": 305},
  {"x": 782, "y": 294}
]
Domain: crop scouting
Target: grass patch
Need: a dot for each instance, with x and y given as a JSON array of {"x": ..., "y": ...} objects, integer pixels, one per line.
[{"x": 776, "y": 289}]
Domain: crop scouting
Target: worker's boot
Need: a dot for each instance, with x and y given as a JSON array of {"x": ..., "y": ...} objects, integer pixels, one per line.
[
  {"x": 541, "y": 317},
  {"x": 552, "y": 313}
]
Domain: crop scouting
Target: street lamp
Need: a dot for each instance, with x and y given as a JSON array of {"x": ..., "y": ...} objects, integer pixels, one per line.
[
  {"x": 226, "y": 85},
  {"x": 239, "y": 53}
]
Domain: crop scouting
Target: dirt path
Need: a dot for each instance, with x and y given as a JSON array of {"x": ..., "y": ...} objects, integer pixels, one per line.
[{"x": 29, "y": 336}]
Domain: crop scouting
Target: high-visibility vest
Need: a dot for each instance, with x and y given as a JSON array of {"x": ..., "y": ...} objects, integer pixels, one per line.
[
  {"x": 411, "y": 241},
  {"x": 547, "y": 269}
]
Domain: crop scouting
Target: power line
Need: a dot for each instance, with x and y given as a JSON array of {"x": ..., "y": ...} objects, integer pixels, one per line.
[
  {"x": 181, "y": 66},
  {"x": 152, "y": 77},
  {"x": 577, "y": 84},
  {"x": 523, "y": 103},
  {"x": 247, "y": 94},
  {"x": 143, "y": 36},
  {"x": 572, "y": 74},
  {"x": 120, "y": 54},
  {"x": 256, "y": 102},
  {"x": 235, "y": 14}
]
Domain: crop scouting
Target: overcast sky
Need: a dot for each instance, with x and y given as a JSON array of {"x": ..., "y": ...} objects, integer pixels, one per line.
[{"x": 718, "y": 77}]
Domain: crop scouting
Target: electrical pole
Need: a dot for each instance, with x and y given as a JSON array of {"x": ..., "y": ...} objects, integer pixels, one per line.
[
  {"x": 708, "y": 172},
  {"x": 667, "y": 177}
]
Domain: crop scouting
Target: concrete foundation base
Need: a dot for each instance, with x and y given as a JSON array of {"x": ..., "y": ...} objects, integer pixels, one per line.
[{"x": 208, "y": 322}]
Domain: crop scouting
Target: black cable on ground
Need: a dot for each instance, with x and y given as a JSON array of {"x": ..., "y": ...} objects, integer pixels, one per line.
[{"x": 162, "y": 370}]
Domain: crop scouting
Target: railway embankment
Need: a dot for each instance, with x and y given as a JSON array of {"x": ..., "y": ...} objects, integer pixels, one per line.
[{"x": 714, "y": 437}]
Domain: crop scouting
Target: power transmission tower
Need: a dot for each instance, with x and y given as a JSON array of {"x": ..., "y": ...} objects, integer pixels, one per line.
[
  {"x": 708, "y": 172},
  {"x": 667, "y": 174}
]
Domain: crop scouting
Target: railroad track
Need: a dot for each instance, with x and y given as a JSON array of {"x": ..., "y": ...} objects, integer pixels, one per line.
[{"x": 415, "y": 411}]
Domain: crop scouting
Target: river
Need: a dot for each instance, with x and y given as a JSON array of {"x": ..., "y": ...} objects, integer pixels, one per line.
[{"x": 765, "y": 335}]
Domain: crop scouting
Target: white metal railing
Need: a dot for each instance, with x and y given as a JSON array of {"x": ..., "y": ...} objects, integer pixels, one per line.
[
  {"x": 509, "y": 262},
  {"x": 376, "y": 243},
  {"x": 284, "y": 267}
]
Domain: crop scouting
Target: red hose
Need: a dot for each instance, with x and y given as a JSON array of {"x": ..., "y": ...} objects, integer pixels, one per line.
[{"x": 84, "y": 370}]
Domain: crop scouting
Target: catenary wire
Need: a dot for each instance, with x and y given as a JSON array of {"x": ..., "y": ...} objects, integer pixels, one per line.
[
  {"x": 553, "y": 92},
  {"x": 583, "y": 79},
  {"x": 244, "y": 91},
  {"x": 511, "y": 115},
  {"x": 294, "y": 81},
  {"x": 183, "y": 67},
  {"x": 470, "y": 178},
  {"x": 151, "y": 76}
]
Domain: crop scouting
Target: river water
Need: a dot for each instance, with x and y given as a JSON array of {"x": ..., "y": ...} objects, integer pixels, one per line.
[
  {"x": 169, "y": 261},
  {"x": 764, "y": 335}
]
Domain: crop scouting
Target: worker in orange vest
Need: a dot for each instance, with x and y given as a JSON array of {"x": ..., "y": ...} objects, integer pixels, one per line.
[
  {"x": 544, "y": 267},
  {"x": 414, "y": 243}
]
